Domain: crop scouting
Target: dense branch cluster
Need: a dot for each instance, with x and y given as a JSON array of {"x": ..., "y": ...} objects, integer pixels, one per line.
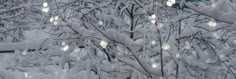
[{"x": 117, "y": 39}]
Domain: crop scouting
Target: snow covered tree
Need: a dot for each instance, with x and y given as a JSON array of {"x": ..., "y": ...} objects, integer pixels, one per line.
[{"x": 117, "y": 39}]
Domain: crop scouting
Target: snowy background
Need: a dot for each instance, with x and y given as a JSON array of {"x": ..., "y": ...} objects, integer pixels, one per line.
[{"x": 117, "y": 39}]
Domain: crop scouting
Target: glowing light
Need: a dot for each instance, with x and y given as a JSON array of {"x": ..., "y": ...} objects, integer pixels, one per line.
[
  {"x": 45, "y": 4},
  {"x": 212, "y": 24},
  {"x": 100, "y": 23},
  {"x": 169, "y": 3},
  {"x": 63, "y": 43},
  {"x": 65, "y": 48},
  {"x": 153, "y": 21},
  {"x": 165, "y": 46},
  {"x": 45, "y": 9},
  {"x": 172, "y": 1},
  {"x": 51, "y": 19},
  {"x": 103, "y": 44},
  {"x": 56, "y": 18},
  {"x": 153, "y": 16},
  {"x": 55, "y": 22},
  {"x": 177, "y": 55},
  {"x": 153, "y": 42},
  {"x": 155, "y": 65}
]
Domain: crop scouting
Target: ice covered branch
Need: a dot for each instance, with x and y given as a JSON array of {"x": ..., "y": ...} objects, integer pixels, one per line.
[{"x": 216, "y": 12}]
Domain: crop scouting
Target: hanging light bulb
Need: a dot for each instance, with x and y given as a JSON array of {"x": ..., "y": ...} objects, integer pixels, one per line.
[
  {"x": 153, "y": 16},
  {"x": 165, "y": 46},
  {"x": 65, "y": 48},
  {"x": 172, "y": 1},
  {"x": 103, "y": 44},
  {"x": 56, "y": 18},
  {"x": 153, "y": 42},
  {"x": 45, "y": 4},
  {"x": 212, "y": 23},
  {"x": 51, "y": 19},
  {"x": 45, "y": 9},
  {"x": 153, "y": 21},
  {"x": 169, "y": 3},
  {"x": 100, "y": 22}
]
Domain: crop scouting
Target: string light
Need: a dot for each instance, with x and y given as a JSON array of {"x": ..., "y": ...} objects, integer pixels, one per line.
[
  {"x": 153, "y": 21},
  {"x": 51, "y": 19},
  {"x": 55, "y": 22},
  {"x": 65, "y": 48},
  {"x": 153, "y": 16},
  {"x": 63, "y": 43},
  {"x": 155, "y": 65},
  {"x": 45, "y": 4},
  {"x": 56, "y": 18},
  {"x": 45, "y": 9},
  {"x": 169, "y": 3},
  {"x": 165, "y": 46},
  {"x": 103, "y": 44},
  {"x": 212, "y": 23},
  {"x": 177, "y": 55},
  {"x": 100, "y": 22},
  {"x": 153, "y": 42}
]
